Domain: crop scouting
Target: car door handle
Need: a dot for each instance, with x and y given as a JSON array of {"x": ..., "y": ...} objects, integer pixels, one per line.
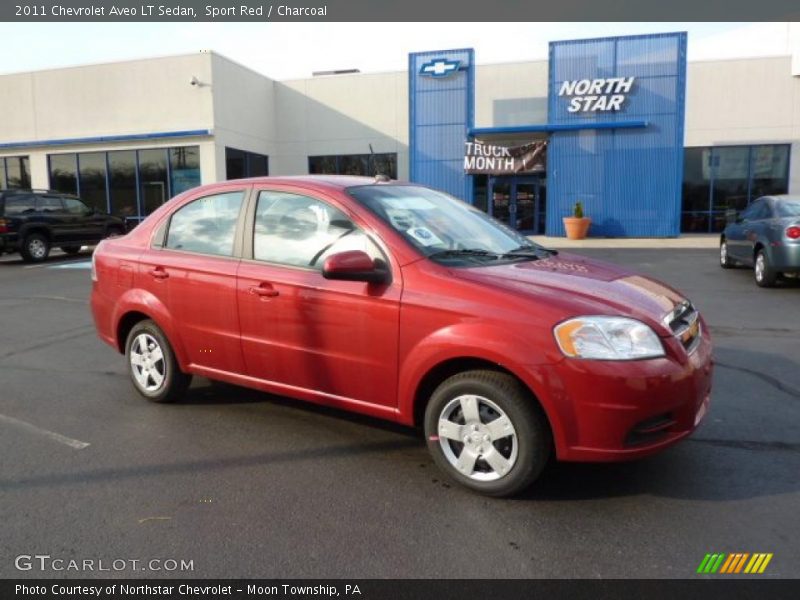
[
  {"x": 158, "y": 273},
  {"x": 264, "y": 290}
]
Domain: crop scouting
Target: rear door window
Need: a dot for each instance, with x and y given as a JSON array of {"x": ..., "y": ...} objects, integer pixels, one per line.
[
  {"x": 206, "y": 225},
  {"x": 754, "y": 212},
  {"x": 49, "y": 204}
]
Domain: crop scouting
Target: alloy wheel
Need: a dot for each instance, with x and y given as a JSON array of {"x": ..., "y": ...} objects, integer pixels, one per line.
[
  {"x": 147, "y": 362},
  {"x": 477, "y": 438}
]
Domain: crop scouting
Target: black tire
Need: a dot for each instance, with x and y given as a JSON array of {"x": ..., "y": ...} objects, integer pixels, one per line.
[
  {"x": 35, "y": 248},
  {"x": 724, "y": 258},
  {"x": 765, "y": 276},
  {"x": 71, "y": 250},
  {"x": 532, "y": 435},
  {"x": 174, "y": 382}
]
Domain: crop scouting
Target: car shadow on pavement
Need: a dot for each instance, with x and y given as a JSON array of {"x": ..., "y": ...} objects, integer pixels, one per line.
[
  {"x": 207, "y": 392},
  {"x": 57, "y": 257},
  {"x": 706, "y": 466}
]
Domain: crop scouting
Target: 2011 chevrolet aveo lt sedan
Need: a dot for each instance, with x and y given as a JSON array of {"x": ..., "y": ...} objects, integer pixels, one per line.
[{"x": 401, "y": 302}]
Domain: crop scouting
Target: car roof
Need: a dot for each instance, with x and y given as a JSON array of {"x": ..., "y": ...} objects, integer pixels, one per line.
[
  {"x": 330, "y": 182},
  {"x": 782, "y": 197}
]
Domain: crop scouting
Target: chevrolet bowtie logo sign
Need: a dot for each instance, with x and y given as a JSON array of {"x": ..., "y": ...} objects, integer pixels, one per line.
[{"x": 439, "y": 67}]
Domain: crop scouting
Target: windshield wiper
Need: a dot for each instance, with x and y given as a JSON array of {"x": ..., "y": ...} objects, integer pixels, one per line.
[
  {"x": 463, "y": 252},
  {"x": 534, "y": 252}
]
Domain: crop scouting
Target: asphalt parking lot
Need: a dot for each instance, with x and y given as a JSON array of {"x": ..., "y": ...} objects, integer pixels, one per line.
[{"x": 248, "y": 485}]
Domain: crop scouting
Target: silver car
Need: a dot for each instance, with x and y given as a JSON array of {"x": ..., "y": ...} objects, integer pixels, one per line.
[{"x": 766, "y": 236}]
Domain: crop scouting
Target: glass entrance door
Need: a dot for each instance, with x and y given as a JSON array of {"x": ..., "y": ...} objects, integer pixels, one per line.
[
  {"x": 501, "y": 206},
  {"x": 519, "y": 202}
]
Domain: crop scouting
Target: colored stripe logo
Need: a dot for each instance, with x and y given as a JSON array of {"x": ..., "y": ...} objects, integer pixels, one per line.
[{"x": 737, "y": 562}]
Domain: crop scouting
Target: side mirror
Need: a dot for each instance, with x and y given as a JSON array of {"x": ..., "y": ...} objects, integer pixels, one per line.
[{"x": 353, "y": 265}]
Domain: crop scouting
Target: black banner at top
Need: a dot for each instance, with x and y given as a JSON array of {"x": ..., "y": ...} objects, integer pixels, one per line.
[{"x": 408, "y": 10}]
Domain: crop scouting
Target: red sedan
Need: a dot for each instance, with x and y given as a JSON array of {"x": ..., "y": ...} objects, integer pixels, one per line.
[{"x": 401, "y": 302}]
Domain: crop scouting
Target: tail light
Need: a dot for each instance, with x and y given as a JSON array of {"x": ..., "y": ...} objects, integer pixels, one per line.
[
  {"x": 3, "y": 226},
  {"x": 793, "y": 232}
]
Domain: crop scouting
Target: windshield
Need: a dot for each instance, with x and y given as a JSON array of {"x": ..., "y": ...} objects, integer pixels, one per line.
[
  {"x": 788, "y": 208},
  {"x": 444, "y": 228}
]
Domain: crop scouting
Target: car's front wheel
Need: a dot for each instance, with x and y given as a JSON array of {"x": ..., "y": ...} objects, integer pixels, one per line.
[
  {"x": 485, "y": 430},
  {"x": 764, "y": 274},
  {"x": 153, "y": 368}
]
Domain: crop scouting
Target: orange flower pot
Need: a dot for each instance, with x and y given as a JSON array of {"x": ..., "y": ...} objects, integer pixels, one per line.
[{"x": 577, "y": 228}]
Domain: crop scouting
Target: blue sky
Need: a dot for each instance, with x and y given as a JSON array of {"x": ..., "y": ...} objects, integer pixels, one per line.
[{"x": 294, "y": 50}]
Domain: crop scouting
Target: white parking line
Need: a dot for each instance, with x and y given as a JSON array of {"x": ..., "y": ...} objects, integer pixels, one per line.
[
  {"x": 59, "y": 265},
  {"x": 84, "y": 264},
  {"x": 56, "y": 437}
]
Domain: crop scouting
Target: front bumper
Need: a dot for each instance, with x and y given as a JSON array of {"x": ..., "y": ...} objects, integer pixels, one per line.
[{"x": 611, "y": 411}]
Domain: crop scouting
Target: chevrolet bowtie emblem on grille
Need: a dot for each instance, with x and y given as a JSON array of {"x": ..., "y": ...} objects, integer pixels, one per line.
[{"x": 439, "y": 67}]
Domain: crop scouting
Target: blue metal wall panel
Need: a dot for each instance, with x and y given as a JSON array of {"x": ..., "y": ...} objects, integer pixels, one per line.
[
  {"x": 629, "y": 180},
  {"x": 441, "y": 112}
]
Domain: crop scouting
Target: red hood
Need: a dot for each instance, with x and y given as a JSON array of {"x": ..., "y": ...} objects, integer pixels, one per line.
[{"x": 583, "y": 286}]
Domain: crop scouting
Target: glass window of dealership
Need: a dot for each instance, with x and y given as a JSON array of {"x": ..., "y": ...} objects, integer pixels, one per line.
[
  {"x": 131, "y": 183},
  {"x": 719, "y": 179},
  {"x": 127, "y": 183}
]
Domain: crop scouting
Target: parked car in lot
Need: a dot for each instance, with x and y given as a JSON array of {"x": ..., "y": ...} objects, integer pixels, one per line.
[
  {"x": 33, "y": 221},
  {"x": 765, "y": 236},
  {"x": 401, "y": 302}
]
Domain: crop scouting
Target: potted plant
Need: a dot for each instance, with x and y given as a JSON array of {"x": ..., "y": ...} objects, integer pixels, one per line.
[{"x": 577, "y": 226}]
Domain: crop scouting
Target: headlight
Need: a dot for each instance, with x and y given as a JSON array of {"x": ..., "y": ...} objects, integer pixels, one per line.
[{"x": 607, "y": 338}]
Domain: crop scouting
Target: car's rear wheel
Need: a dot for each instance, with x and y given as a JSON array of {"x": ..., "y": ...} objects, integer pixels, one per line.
[
  {"x": 71, "y": 250},
  {"x": 485, "y": 430},
  {"x": 724, "y": 258},
  {"x": 35, "y": 247},
  {"x": 764, "y": 274},
  {"x": 154, "y": 371}
]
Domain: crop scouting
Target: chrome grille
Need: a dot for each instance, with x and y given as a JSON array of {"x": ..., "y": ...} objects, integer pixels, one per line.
[{"x": 684, "y": 323}]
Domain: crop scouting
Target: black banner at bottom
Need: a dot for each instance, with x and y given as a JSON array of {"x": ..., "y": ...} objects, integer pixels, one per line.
[{"x": 388, "y": 589}]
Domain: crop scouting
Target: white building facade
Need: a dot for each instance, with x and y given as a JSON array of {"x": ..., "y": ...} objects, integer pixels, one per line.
[{"x": 127, "y": 136}]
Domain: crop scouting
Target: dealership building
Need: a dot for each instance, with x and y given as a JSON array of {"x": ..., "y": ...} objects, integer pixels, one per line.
[{"x": 650, "y": 145}]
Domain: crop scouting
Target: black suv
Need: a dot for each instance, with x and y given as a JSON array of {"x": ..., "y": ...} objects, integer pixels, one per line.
[{"x": 32, "y": 221}]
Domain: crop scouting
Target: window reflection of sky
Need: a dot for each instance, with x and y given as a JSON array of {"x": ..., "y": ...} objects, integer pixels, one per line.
[
  {"x": 207, "y": 225},
  {"x": 292, "y": 229}
]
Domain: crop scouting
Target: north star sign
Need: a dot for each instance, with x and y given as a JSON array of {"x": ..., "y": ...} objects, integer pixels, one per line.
[
  {"x": 597, "y": 95},
  {"x": 439, "y": 67}
]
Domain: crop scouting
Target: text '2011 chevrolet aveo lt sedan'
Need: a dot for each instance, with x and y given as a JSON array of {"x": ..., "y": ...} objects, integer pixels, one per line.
[{"x": 401, "y": 302}]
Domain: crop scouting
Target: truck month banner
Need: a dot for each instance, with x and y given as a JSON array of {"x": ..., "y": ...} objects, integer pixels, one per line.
[{"x": 490, "y": 159}]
